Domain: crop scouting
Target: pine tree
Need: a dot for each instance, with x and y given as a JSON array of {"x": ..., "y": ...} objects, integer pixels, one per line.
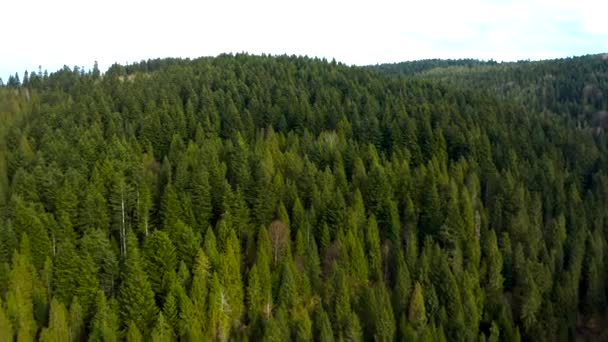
[
  {"x": 160, "y": 260},
  {"x": 372, "y": 239},
  {"x": 255, "y": 297},
  {"x": 210, "y": 248},
  {"x": 288, "y": 292},
  {"x": 92, "y": 211},
  {"x": 6, "y": 326},
  {"x": 95, "y": 243},
  {"x": 186, "y": 242},
  {"x": 356, "y": 254},
  {"x": 277, "y": 329},
  {"x": 135, "y": 296},
  {"x": 171, "y": 210},
  {"x": 201, "y": 198},
  {"x": 133, "y": 334},
  {"x": 323, "y": 326},
  {"x": 58, "y": 329},
  {"x": 218, "y": 311},
  {"x": 8, "y": 241},
  {"x": 75, "y": 275},
  {"x": 230, "y": 273},
  {"x": 302, "y": 325},
  {"x": 417, "y": 310},
  {"x": 170, "y": 310},
  {"x": 104, "y": 326},
  {"x": 76, "y": 321},
  {"x": 379, "y": 318},
  {"x": 430, "y": 215},
  {"x": 342, "y": 305},
  {"x": 494, "y": 270},
  {"x": 20, "y": 296},
  {"x": 260, "y": 288},
  {"x": 144, "y": 207},
  {"x": 162, "y": 332},
  {"x": 26, "y": 220},
  {"x": 200, "y": 288}
]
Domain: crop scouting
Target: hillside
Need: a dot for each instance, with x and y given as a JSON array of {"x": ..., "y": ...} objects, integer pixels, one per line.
[
  {"x": 286, "y": 198},
  {"x": 574, "y": 88}
]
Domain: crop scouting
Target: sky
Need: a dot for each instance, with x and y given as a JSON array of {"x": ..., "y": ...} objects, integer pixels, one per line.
[{"x": 78, "y": 32}]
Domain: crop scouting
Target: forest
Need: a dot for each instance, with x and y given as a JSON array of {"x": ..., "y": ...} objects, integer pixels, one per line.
[{"x": 277, "y": 198}]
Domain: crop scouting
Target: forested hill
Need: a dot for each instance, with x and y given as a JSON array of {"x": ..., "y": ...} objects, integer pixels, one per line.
[
  {"x": 576, "y": 88},
  {"x": 282, "y": 198}
]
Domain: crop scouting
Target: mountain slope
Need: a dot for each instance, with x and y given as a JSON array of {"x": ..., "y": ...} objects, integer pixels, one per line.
[
  {"x": 283, "y": 198},
  {"x": 576, "y": 88}
]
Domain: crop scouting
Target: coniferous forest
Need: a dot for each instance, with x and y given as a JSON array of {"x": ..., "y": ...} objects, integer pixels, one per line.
[{"x": 286, "y": 198}]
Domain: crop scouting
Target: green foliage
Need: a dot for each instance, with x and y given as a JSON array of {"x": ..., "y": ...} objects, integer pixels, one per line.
[
  {"x": 104, "y": 325},
  {"x": 160, "y": 260},
  {"x": 20, "y": 296},
  {"x": 76, "y": 321},
  {"x": 162, "y": 331},
  {"x": 135, "y": 296},
  {"x": 6, "y": 326},
  {"x": 58, "y": 329},
  {"x": 96, "y": 244},
  {"x": 288, "y": 198},
  {"x": 75, "y": 275},
  {"x": 417, "y": 311},
  {"x": 133, "y": 334},
  {"x": 379, "y": 317}
]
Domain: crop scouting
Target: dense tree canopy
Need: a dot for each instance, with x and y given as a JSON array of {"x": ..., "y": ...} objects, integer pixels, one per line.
[{"x": 287, "y": 198}]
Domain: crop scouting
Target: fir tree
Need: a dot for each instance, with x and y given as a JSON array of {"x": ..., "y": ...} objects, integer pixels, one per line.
[{"x": 135, "y": 295}]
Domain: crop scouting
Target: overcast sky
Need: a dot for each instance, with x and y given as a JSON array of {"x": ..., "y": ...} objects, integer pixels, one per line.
[{"x": 79, "y": 32}]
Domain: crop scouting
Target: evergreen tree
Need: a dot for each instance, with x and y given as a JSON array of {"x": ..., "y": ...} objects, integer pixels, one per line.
[
  {"x": 20, "y": 296},
  {"x": 76, "y": 321},
  {"x": 200, "y": 288},
  {"x": 75, "y": 275},
  {"x": 187, "y": 242},
  {"x": 162, "y": 332},
  {"x": 98, "y": 247},
  {"x": 135, "y": 295},
  {"x": 218, "y": 311},
  {"x": 58, "y": 329},
  {"x": 230, "y": 269},
  {"x": 372, "y": 238},
  {"x": 6, "y": 326},
  {"x": 104, "y": 326},
  {"x": 133, "y": 334},
  {"x": 417, "y": 310},
  {"x": 159, "y": 260},
  {"x": 27, "y": 221},
  {"x": 379, "y": 317},
  {"x": 323, "y": 326}
]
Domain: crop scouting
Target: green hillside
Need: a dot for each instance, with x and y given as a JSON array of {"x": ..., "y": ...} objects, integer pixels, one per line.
[
  {"x": 573, "y": 87},
  {"x": 286, "y": 198}
]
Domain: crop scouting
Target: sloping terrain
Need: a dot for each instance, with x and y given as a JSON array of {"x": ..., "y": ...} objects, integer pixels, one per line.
[{"x": 284, "y": 198}]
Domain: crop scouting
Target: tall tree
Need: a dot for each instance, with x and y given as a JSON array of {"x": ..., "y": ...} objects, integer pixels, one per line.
[
  {"x": 58, "y": 329},
  {"x": 135, "y": 295}
]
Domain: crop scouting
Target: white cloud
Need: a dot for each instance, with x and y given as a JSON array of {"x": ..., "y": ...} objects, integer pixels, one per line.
[{"x": 53, "y": 33}]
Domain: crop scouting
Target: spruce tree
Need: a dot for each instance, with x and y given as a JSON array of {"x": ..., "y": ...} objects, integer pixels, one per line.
[
  {"x": 104, "y": 326},
  {"x": 6, "y": 326},
  {"x": 76, "y": 321},
  {"x": 135, "y": 295},
  {"x": 160, "y": 260},
  {"x": 20, "y": 296},
  {"x": 133, "y": 334},
  {"x": 58, "y": 329},
  {"x": 417, "y": 310}
]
